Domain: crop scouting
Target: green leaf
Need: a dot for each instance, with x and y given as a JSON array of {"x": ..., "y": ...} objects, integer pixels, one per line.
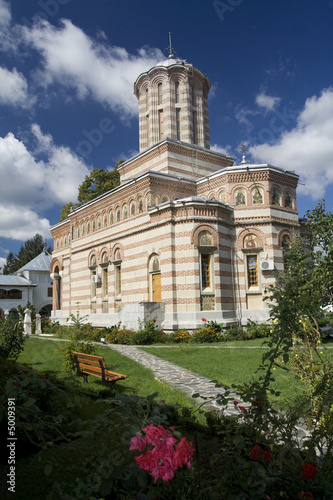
[{"x": 48, "y": 469}]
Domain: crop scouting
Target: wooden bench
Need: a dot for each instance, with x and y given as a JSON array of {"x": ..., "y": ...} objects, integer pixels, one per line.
[{"x": 88, "y": 364}]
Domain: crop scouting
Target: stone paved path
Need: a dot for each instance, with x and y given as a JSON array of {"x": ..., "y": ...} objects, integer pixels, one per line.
[
  {"x": 175, "y": 376},
  {"x": 183, "y": 379},
  {"x": 187, "y": 381}
]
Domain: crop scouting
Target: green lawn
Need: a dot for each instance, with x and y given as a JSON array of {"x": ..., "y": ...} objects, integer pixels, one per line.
[
  {"x": 229, "y": 366},
  {"x": 45, "y": 356}
]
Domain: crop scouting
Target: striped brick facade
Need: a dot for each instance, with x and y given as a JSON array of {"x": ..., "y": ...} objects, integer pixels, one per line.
[{"x": 186, "y": 231}]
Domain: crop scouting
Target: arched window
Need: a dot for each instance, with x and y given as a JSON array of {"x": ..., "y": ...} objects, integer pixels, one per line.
[
  {"x": 223, "y": 198},
  {"x": 240, "y": 197},
  {"x": 177, "y": 92},
  {"x": 93, "y": 224},
  {"x": 105, "y": 220},
  {"x": 140, "y": 205},
  {"x": 257, "y": 196},
  {"x": 164, "y": 198},
  {"x": 250, "y": 241},
  {"x": 132, "y": 208},
  {"x": 160, "y": 93},
  {"x": 178, "y": 124},
  {"x": 151, "y": 200},
  {"x": 125, "y": 213},
  {"x": 99, "y": 222},
  {"x": 285, "y": 241},
  {"x": 105, "y": 274},
  {"x": 155, "y": 279},
  {"x": 110, "y": 217},
  {"x": 276, "y": 197},
  {"x": 288, "y": 200},
  {"x": 205, "y": 239},
  {"x": 117, "y": 269},
  {"x": 117, "y": 214}
]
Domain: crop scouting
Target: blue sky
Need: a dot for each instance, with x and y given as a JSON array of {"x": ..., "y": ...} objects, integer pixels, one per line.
[{"x": 67, "y": 70}]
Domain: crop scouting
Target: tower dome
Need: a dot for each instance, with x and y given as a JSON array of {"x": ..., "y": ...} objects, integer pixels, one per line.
[{"x": 173, "y": 102}]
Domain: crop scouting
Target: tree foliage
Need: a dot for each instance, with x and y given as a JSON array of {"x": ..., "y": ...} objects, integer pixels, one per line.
[
  {"x": 28, "y": 251},
  {"x": 98, "y": 182},
  {"x": 307, "y": 281},
  {"x": 320, "y": 225}
]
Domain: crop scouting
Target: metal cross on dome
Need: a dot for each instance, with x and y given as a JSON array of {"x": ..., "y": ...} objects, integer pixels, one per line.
[{"x": 170, "y": 49}]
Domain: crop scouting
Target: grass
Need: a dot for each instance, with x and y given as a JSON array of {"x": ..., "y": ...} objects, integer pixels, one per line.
[
  {"x": 45, "y": 356},
  {"x": 230, "y": 366}
]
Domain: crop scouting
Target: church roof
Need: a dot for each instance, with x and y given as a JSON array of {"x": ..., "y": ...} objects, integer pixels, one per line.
[
  {"x": 170, "y": 61},
  {"x": 40, "y": 263}
]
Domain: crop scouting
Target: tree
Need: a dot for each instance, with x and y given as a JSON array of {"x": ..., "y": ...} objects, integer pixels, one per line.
[
  {"x": 97, "y": 183},
  {"x": 31, "y": 249},
  {"x": 65, "y": 211},
  {"x": 320, "y": 225},
  {"x": 307, "y": 281}
]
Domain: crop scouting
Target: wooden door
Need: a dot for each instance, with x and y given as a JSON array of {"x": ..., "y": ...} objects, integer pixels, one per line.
[{"x": 157, "y": 291}]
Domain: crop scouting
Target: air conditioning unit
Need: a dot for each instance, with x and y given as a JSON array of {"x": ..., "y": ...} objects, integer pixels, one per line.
[
  {"x": 96, "y": 279},
  {"x": 267, "y": 265}
]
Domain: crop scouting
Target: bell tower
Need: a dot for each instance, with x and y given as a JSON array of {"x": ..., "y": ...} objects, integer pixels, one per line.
[{"x": 173, "y": 102}]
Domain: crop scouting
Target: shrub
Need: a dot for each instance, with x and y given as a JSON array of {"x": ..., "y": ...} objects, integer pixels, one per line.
[
  {"x": 205, "y": 335},
  {"x": 235, "y": 332},
  {"x": 72, "y": 346},
  {"x": 11, "y": 338},
  {"x": 148, "y": 333},
  {"x": 255, "y": 331},
  {"x": 180, "y": 336},
  {"x": 117, "y": 335}
]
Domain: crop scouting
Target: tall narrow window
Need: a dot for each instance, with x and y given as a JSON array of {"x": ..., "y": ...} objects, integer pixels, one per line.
[
  {"x": 118, "y": 279},
  {"x": 252, "y": 271},
  {"x": 193, "y": 96},
  {"x": 195, "y": 131},
  {"x": 160, "y": 94},
  {"x": 148, "y": 131},
  {"x": 160, "y": 124},
  {"x": 178, "y": 123},
  {"x": 177, "y": 91},
  {"x": 147, "y": 100},
  {"x": 205, "y": 271}
]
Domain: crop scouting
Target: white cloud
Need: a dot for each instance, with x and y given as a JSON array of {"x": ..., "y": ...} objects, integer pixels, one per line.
[
  {"x": 266, "y": 101},
  {"x": 242, "y": 114},
  {"x": 224, "y": 150},
  {"x": 5, "y": 14},
  {"x": 308, "y": 148},
  {"x": 13, "y": 88},
  {"x": 29, "y": 185},
  {"x": 91, "y": 68}
]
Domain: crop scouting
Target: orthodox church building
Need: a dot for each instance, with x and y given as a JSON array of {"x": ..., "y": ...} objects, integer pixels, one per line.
[{"x": 187, "y": 234}]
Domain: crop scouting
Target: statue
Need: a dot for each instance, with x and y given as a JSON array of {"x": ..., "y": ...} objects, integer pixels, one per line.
[{"x": 27, "y": 322}]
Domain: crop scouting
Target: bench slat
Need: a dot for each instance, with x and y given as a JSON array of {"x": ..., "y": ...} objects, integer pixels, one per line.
[{"x": 90, "y": 364}]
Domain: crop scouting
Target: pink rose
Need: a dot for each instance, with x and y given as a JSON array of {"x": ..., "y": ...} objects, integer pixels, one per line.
[
  {"x": 154, "y": 434},
  {"x": 137, "y": 443}
]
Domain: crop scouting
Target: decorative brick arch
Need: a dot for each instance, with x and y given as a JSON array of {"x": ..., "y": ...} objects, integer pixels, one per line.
[
  {"x": 204, "y": 227},
  {"x": 55, "y": 274},
  {"x": 101, "y": 253},
  {"x": 92, "y": 254},
  {"x": 233, "y": 194},
  {"x": 281, "y": 234},
  {"x": 245, "y": 232},
  {"x": 117, "y": 246}
]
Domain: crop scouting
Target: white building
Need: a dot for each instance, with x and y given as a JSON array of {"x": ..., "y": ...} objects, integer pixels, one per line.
[{"x": 31, "y": 283}]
